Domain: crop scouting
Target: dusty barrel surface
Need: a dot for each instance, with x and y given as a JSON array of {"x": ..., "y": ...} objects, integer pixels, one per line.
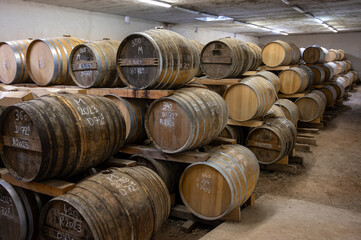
[
  {"x": 133, "y": 110},
  {"x": 290, "y": 110},
  {"x": 20, "y": 211},
  {"x": 293, "y": 80},
  {"x": 277, "y": 53},
  {"x": 59, "y": 135},
  {"x": 157, "y": 59},
  {"x": 225, "y": 181},
  {"x": 250, "y": 98},
  {"x": 273, "y": 78},
  {"x": 330, "y": 93},
  {"x": 199, "y": 47},
  {"x": 226, "y": 57},
  {"x": 314, "y": 54},
  {"x": 47, "y": 60},
  {"x": 13, "y": 62},
  {"x": 188, "y": 119},
  {"x": 232, "y": 132},
  {"x": 118, "y": 203},
  {"x": 311, "y": 106},
  {"x": 93, "y": 64},
  {"x": 275, "y": 111},
  {"x": 273, "y": 140}
]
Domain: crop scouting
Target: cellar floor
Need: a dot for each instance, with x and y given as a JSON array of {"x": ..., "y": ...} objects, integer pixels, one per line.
[{"x": 331, "y": 179}]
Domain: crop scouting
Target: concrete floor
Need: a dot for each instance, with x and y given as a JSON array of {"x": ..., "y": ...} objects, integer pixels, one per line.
[{"x": 323, "y": 202}]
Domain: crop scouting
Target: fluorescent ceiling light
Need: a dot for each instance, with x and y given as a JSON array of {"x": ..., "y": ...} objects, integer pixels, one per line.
[
  {"x": 309, "y": 15},
  {"x": 325, "y": 25},
  {"x": 283, "y": 33},
  {"x": 214, "y": 18},
  {"x": 161, "y": 4},
  {"x": 318, "y": 20},
  {"x": 298, "y": 9},
  {"x": 334, "y": 30},
  {"x": 275, "y": 31},
  {"x": 285, "y": 1},
  {"x": 186, "y": 10}
]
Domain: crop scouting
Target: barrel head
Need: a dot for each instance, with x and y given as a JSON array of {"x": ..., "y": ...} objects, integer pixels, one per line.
[
  {"x": 8, "y": 66},
  {"x": 273, "y": 54}
]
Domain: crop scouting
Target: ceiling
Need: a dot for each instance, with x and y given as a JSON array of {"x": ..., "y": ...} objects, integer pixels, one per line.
[{"x": 344, "y": 15}]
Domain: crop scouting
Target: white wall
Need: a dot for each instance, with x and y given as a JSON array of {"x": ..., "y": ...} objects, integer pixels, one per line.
[{"x": 349, "y": 42}]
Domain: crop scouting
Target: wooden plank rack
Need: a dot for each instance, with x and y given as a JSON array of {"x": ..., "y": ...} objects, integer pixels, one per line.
[
  {"x": 278, "y": 68},
  {"x": 289, "y": 164},
  {"x": 317, "y": 123},
  {"x": 130, "y": 93},
  {"x": 294, "y": 95},
  {"x": 211, "y": 81},
  {"x": 180, "y": 211},
  {"x": 250, "y": 123}
]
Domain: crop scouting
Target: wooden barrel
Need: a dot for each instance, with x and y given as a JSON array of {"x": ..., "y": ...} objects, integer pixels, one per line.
[
  {"x": 257, "y": 53},
  {"x": 47, "y": 60},
  {"x": 226, "y": 58},
  {"x": 329, "y": 71},
  {"x": 93, "y": 64},
  {"x": 249, "y": 99},
  {"x": 133, "y": 110},
  {"x": 232, "y": 132},
  {"x": 341, "y": 66},
  {"x": 20, "y": 211},
  {"x": 199, "y": 47},
  {"x": 212, "y": 189},
  {"x": 277, "y": 53},
  {"x": 355, "y": 76},
  {"x": 341, "y": 54},
  {"x": 293, "y": 80},
  {"x": 59, "y": 135},
  {"x": 314, "y": 54},
  {"x": 311, "y": 106},
  {"x": 318, "y": 73},
  {"x": 332, "y": 55},
  {"x": 334, "y": 67},
  {"x": 330, "y": 93},
  {"x": 348, "y": 65},
  {"x": 169, "y": 172},
  {"x": 273, "y": 140},
  {"x": 157, "y": 59},
  {"x": 339, "y": 84},
  {"x": 273, "y": 78},
  {"x": 349, "y": 78},
  {"x": 296, "y": 53},
  {"x": 275, "y": 111},
  {"x": 290, "y": 110},
  {"x": 220, "y": 89},
  {"x": 118, "y": 203},
  {"x": 188, "y": 119},
  {"x": 310, "y": 75},
  {"x": 12, "y": 62}
]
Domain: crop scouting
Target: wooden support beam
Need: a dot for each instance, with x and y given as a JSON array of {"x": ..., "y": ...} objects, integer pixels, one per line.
[
  {"x": 250, "y": 123},
  {"x": 305, "y": 135},
  {"x": 287, "y": 168},
  {"x": 305, "y": 140},
  {"x": 116, "y": 162},
  {"x": 130, "y": 93},
  {"x": 210, "y": 81},
  {"x": 309, "y": 130},
  {"x": 221, "y": 140},
  {"x": 302, "y": 147}
]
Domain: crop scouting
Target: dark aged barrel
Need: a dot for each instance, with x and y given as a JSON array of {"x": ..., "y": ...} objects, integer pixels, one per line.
[
  {"x": 311, "y": 106},
  {"x": 296, "y": 56},
  {"x": 12, "y": 62},
  {"x": 249, "y": 99},
  {"x": 59, "y": 135},
  {"x": 309, "y": 73},
  {"x": 290, "y": 110},
  {"x": 226, "y": 57},
  {"x": 47, "y": 60},
  {"x": 275, "y": 111},
  {"x": 188, "y": 119},
  {"x": 273, "y": 140},
  {"x": 318, "y": 73},
  {"x": 118, "y": 203},
  {"x": 330, "y": 93},
  {"x": 273, "y": 78},
  {"x": 133, "y": 111},
  {"x": 329, "y": 72},
  {"x": 157, "y": 59},
  {"x": 232, "y": 132},
  {"x": 277, "y": 53},
  {"x": 93, "y": 64},
  {"x": 314, "y": 54},
  {"x": 212, "y": 189},
  {"x": 293, "y": 80},
  {"x": 199, "y": 47},
  {"x": 19, "y": 212},
  {"x": 257, "y": 53}
]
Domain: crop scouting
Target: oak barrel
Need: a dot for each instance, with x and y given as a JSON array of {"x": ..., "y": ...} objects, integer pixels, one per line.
[
  {"x": 273, "y": 140},
  {"x": 59, "y": 135},
  {"x": 310, "y": 75},
  {"x": 314, "y": 54},
  {"x": 318, "y": 74},
  {"x": 12, "y": 62},
  {"x": 330, "y": 93},
  {"x": 249, "y": 99},
  {"x": 311, "y": 106},
  {"x": 341, "y": 66},
  {"x": 133, "y": 110},
  {"x": 199, "y": 47},
  {"x": 296, "y": 53},
  {"x": 93, "y": 64},
  {"x": 348, "y": 65},
  {"x": 290, "y": 110},
  {"x": 232, "y": 132},
  {"x": 47, "y": 60},
  {"x": 188, "y": 119},
  {"x": 329, "y": 71},
  {"x": 277, "y": 53},
  {"x": 339, "y": 84},
  {"x": 157, "y": 59},
  {"x": 341, "y": 54},
  {"x": 118, "y": 203},
  {"x": 332, "y": 55},
  {"x": 270, "y": 76},
  {"x": 275, "y": 111},
  {"x": 212, "y": 189},
  {"x": 293, "y": 80},
  {"x": 257, "y": 53}
]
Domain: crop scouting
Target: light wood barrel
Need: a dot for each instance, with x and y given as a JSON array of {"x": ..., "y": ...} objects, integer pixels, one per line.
[
  {"x": 290, "y": 110},
  {"x": 275, "y": 111},
  {"x": 47, "y": 60},
  {"x": 12, "y": 62},
  {"x": 341, "y": 54},
  {"x": 212, "y": 189},
  {"x": 273, "y": 78},
  {"x": 249, "y": 99},
  {"x": 330, "y": 93},
  {"x": 157, "y": 59},
  {"x": 296, "y": 53},
  {"x": 332, "y": 55},
  {"x": 339, "y": 84},
  {"x": 232, "y": 132},
  {"x": 226, "y": 57},
  {"x": 257, "y": 53},
  {"x": 188, "y": 119},
  {"x": 310, "y": 75},
  {"x": 133, "y": 110},
  {"x": 93, "y": 64},
  {"x": 329, "y": 71},
  {"x": 199, "y": 47},
  {"x": 318, "y": 73},
  {"x": 341, "y": 66},
  {"x": 59, "y": 135},
  {"x": 348, "y": 65},
  {"x": 314, "y": 54},
  {"x": 277, "y": 53},
  {"x": 293, "y": 80},
  {"x": 20, "y": 211},
  {"x": 334, "y": 67},
  {"x": 311, "y": 106},
  {"x": 273, "y": 140},
  {"x": 118, "y": 203}
]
